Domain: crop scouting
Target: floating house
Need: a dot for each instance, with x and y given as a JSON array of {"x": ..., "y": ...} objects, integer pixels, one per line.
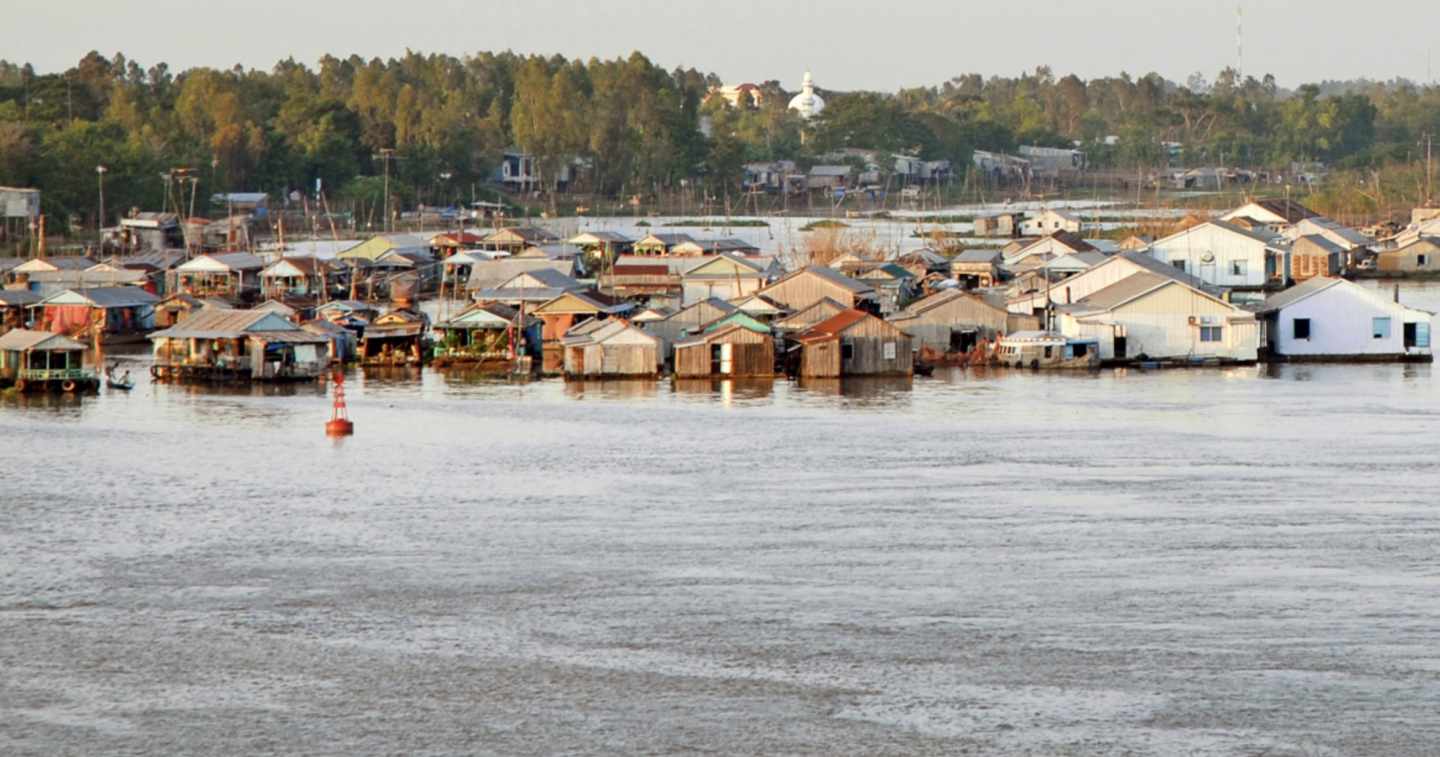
[
  {"x": 647, "y": 281},
  {"x": 999, "y": 225},
  {"x": 351, "y": 314},
  {"x": 44, "y": 361},
  {"x": 1050, "y": 222},
  {"x": 1038, "y": 252},
  {"x": 232, "y": 275},
  {"x": 534, "y": 287},
  {"x": 809, "y": 285},
  {"x": 395, "y": 338},
  {"x": 174, "y": 308},
  {"x": 1277, "y": 214},
  {"x": 1224, "y": 255},
  {"x": 977, "y": 268},
  {"x": 238, "y": 345},
  {"x": 727, "y": 276},
  {"x": 610, "y": 350},
  {"x": 1149, "y": 317},
  {"x": 14, "y": 308},
  {"x": 853, "y": 343},
  {"x": 660, "y": 244},
  {"x": 119, "y": 314},
  {"x": 1313, "y": 255},
  {"x": 758, "y": 307},
  {"x": 1420, "y": 256},
  {"x": 515, "y": 238},
  {"x": 894, "y": 286},
  {"x": 493, "y": 274},
  {"x": 298, "y": 278},
  {"x": 568, "y": 309},
  {"x": 953, "y": 320},
  {"x": 342, "y": 345},
  {"x": 1331, "y": 319},
  {"x": 729, "y": 245},
  {"x": 490, "y": 332},
  {"x": 734, "y": 347}
]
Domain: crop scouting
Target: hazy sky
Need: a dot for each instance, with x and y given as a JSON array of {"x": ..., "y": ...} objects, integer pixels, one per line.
[{"x": 882, "y": 44}]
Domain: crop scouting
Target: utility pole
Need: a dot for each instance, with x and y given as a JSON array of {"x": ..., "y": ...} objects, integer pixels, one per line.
[
  {"x": 100, "y": 218},
  {"x": 385, "y": 155},
  {"x": 1429, "y": 169}
]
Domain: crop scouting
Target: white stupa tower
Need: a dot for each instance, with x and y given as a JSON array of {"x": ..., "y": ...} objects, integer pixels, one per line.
[{"x": 807, "y": 103}]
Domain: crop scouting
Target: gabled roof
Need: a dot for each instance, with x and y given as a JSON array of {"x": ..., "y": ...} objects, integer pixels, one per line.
[
  {"x": 757, "y": 304},
  {"x": 823, "y": 304},
  {"x": 739, "y": 261},
  {"x": 17, "y": 297},
  {"x": 1290, "y": 210},
  {"x": 1267, "y": 240},
  {"x": 520, "y": 235},
  {"x": 26, "y": 340},
  {"x": 829, "y": 274},
  {"x": 58, "y": 263},
  {"x": 1325, "y": 245},
  {"x": 548, "y": 252},
  {"x": 545, "y": 277},
  {"x": 942, "y": 297},
  {"x": 229, "y": 324},
  {"x": 1304, "y": 289},
  {"x": 979, "y": 256},
  {"x": 229, "y": 261},
  {"x": 1132, "y": 288},
  {"x": 348, "y": 306},
  {"x": 834, "y": 326},
  {"x": 1334, "y": 231},
  {"x": 663, "y": 239},
  {"x": 276, "y": 306},
  {"x": 600, "y": 237},
  {"x": 703, "y": 246},
  {"x": 307, "y": 266},
  {"x": 374, "y": 247},
  {"x": 586, "y": 301},
  {"x": 651, "y": 313},
  {"x": 105, "y": 297}
]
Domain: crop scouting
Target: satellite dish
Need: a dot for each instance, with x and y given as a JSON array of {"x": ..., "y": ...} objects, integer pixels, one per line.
[{"x": 1208, "y": 257}]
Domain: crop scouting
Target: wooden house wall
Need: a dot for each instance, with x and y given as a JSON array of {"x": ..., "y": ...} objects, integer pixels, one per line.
[
  {"x": 821, "y": 359},
  {"x": 752, "y": 355},
  {"x": 802, "y": 291},
  {"x": 1407, "y": 259}
]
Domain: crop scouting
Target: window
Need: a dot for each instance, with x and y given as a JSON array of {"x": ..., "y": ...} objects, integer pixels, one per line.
[
  {"x": 1380, "y": 328},
  {"x": 889, "y": 350},
  {"x": 1237, "y": 268},
  {"x": 847, "y": 351},
  {"x": 1210, "y": 333},
  {"x": 1049, "y": 350},
  {"x": 1178, "y": 263},
  {"x": 1419, "y": 260},
  {"x": 1302, "y": 328}
]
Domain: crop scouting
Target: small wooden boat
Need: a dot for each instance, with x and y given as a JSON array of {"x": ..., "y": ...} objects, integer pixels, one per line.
[{"x": 122, "y": 382}]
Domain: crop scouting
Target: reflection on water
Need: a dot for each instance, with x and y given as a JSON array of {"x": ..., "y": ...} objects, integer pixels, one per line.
[
  {"x": 622, "y": 389},
  {"x": 810, "y": 566}
]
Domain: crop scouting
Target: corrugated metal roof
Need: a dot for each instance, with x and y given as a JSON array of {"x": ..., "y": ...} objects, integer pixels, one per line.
[
  {"x": 110, "y": 297},
  {"x": 490, "y": 274},
  {"x": 1294, "y": 294},
  {"x": 834, "y": 325},
  {"x": 22, "y": 340},
  {"x": 1124, "y": 290},
  {"x": 214, "y": 323},
  {"x": 18, "y": 297},
  {"x": 979, "y": 256}
]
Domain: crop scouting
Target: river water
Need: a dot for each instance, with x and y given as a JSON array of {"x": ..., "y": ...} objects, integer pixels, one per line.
[{"x": 1236, "y": 561}]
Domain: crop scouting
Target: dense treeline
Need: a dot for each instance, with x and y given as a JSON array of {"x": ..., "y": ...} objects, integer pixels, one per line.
[{"x": 638, "y": 125}]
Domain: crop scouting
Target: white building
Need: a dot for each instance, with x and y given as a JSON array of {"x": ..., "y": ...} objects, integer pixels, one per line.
[
  {"x": 1278, "y": 214},
  {"x": 807, "y": 103},
  {"x": 1049, "y": 222},
  {"x": 1224, "y": 255},
  {"x": 1147, "y": 316},
  {"x": 1331, "y": 318}
]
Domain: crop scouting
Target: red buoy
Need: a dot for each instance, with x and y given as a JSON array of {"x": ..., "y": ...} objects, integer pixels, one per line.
[{"x": 339, "y": 423}]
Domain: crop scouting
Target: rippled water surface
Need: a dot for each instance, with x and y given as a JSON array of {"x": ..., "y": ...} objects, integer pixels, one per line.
[{"x": 1236, "y": 561}]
